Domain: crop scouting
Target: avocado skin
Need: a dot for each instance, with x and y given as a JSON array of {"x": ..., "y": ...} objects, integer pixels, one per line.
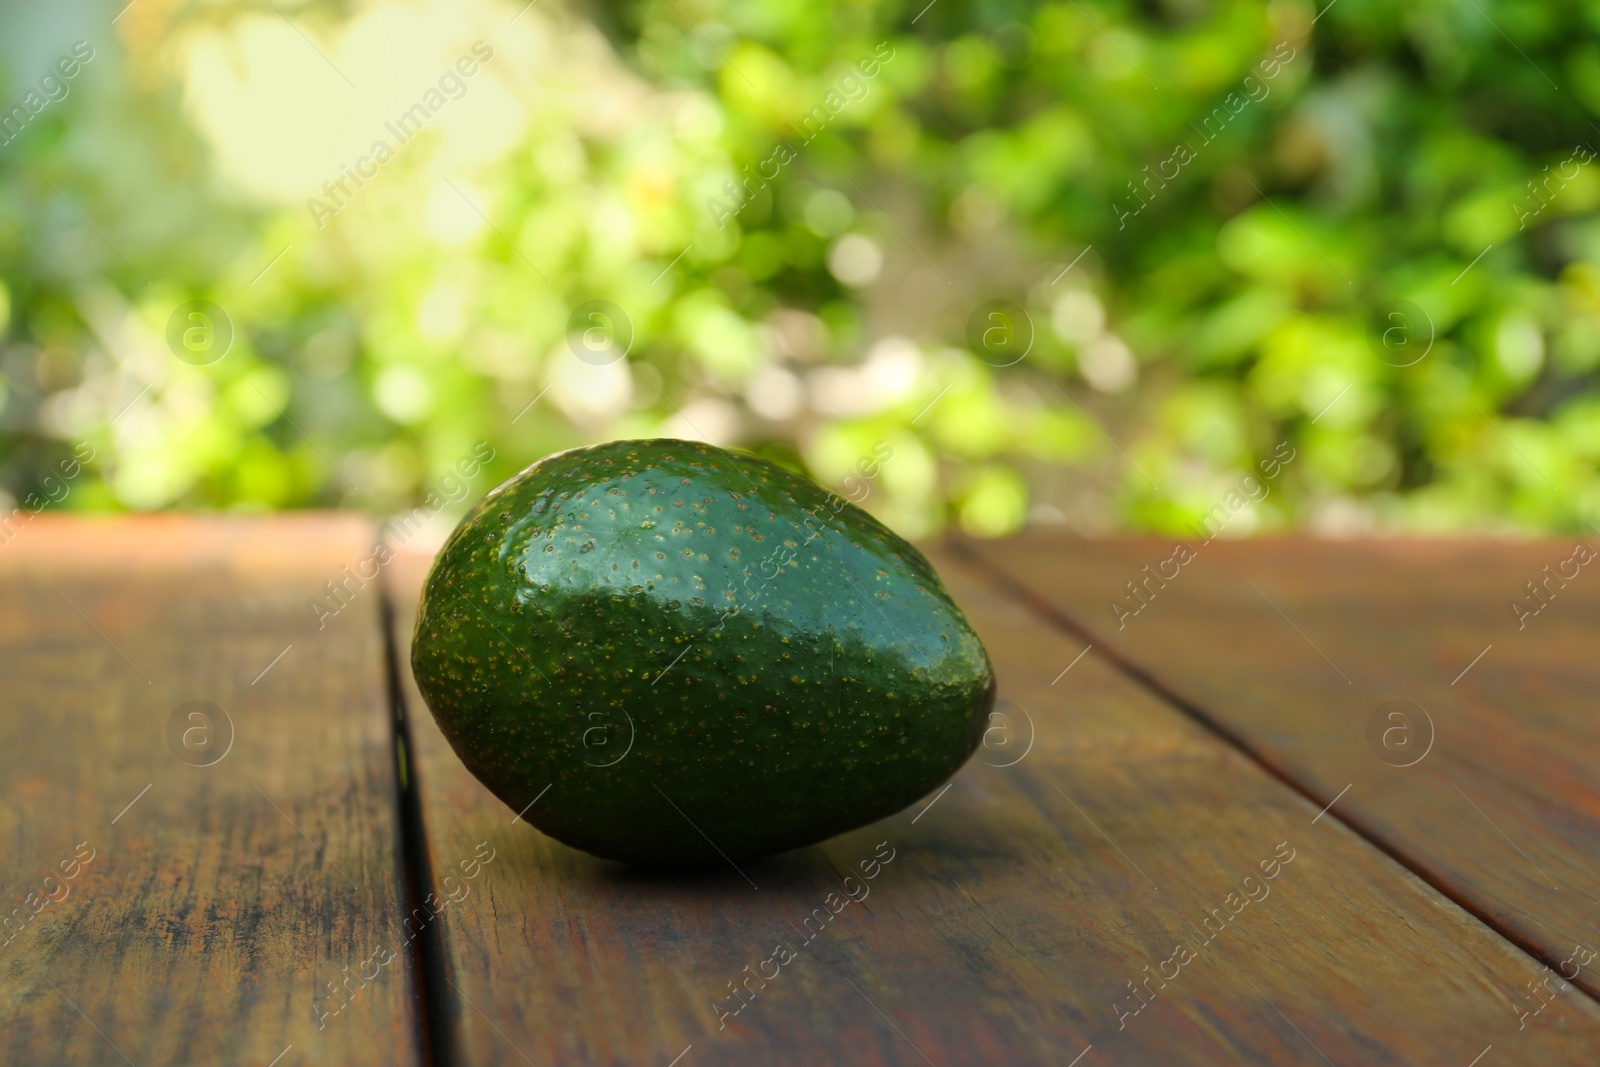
[{"x": 777, "y": 667}]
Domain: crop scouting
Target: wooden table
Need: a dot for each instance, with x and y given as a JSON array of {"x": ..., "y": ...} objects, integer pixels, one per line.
[{"x": 1293, "y": 802}]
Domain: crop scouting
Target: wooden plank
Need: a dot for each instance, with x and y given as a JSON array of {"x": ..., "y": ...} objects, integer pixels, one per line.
[
  {"x": 1021, "y": 907},
  {"x": 1339, "y": 663},
  {"x": 235, "y": 863}
]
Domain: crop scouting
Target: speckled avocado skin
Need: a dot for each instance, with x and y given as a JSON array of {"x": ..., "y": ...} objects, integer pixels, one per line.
[{"x": 703, "y": 656}]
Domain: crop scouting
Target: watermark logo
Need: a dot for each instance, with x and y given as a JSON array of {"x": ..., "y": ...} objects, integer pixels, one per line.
[
  {"x": 1250, "y": 490},
  {"x": 199, "y": 733},
  {"x": 53, "y": 88},
  {"x": 1144, "y": 989},
  {"x": 1000, "y": 333},
  {"x": 1400, "y": 733},
  {"x": 1008, "y": 738},
  {"x": 199, "y": 332},
  {"x": 339, "y": 190},
  {"x": 599, "y": 332},
  {"x": 1401, "y": 333},
  {"x": 52, "y": 890},
  {"x": 1539, "y": 191},
  {"x": 746, "y": 984},
  {"x": 345, "y": 987},
  {"x": 606, "y": 741},
  {"x": 851, "y": 87},
  {"x": 1254, "y": 88},
  {"x": 1549, "y": 583},
  {"x": 54, "y": 491}
]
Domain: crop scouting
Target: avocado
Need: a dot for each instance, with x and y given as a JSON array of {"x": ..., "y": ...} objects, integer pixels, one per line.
[{"x": 667, "y": 654}]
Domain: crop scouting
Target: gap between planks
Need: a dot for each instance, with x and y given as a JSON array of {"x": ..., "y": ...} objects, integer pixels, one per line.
[
  {"x": 1053, "y": 615},
  {"x": 434, "y": 1015}
]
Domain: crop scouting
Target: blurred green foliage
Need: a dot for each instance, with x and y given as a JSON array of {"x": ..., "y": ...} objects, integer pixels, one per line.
[{"x": 1088, "y": 262}]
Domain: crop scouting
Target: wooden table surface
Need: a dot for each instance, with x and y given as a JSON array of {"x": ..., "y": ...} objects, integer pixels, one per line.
[{"x": 1282, "y": 802}]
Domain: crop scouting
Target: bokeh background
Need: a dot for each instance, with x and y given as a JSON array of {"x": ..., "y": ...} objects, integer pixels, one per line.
[{"x": 1099, "y": 264}]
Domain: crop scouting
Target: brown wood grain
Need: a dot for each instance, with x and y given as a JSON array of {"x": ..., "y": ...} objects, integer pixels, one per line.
[
  {"x": 219, "y": 899},
  {"x": 1020, "y": 908},
  {"x": 1293, "y": 646}
]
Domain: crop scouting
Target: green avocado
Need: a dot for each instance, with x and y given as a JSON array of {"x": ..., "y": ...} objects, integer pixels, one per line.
[{"x": 667, "y": 654}]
